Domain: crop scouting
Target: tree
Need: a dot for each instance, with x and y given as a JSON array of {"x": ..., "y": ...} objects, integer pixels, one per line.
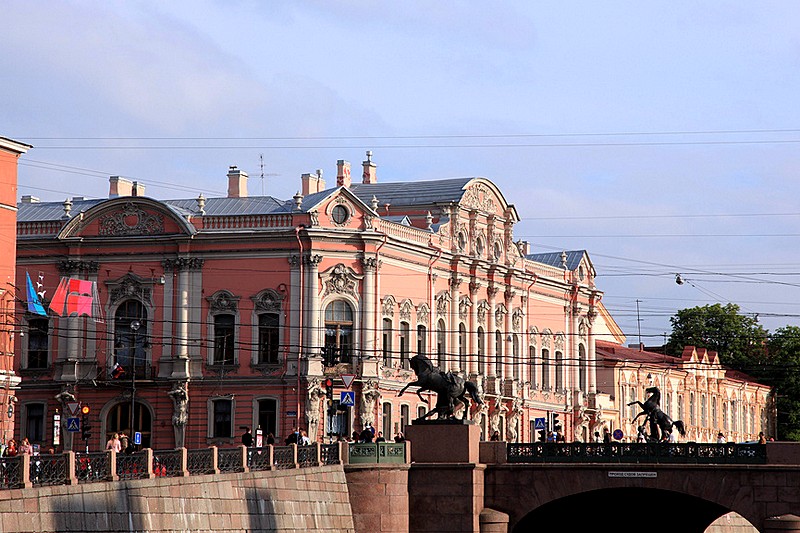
[
  {"x": 781, "y": 371},
  {"x": 738, "y": 339}
]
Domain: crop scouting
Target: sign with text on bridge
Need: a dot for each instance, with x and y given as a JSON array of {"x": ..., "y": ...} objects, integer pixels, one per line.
[
  {"x": 347, "y": 398},
  {"x": 538, "y": 423}
]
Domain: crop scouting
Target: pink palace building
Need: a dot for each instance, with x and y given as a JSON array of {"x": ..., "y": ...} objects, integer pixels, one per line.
[{"x": 206, "y": 315}]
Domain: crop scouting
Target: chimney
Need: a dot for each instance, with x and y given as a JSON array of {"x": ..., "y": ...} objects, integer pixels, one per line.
[
  {"x": 237, "y": 183},
  {"x": 28, "y": 199},
  {"x": 312, "y": 183},
  {"x": 138, "y": 189},
  {"x": 369, "y": 175},
  {"x": 343, "y": 173},
  {"x": 119, "y": 186}
]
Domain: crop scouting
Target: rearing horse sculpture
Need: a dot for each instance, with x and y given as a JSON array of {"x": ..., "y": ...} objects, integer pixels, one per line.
[
  {"x": 449, "y": 387},
  {"x": 658, "y": 419}
]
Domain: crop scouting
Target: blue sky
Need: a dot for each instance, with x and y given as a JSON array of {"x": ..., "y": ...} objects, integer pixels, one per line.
[{"x": 662, "y": 137}]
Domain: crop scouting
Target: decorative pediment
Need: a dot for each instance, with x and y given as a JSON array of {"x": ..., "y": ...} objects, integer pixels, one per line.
[
  {"x": 405, "y": 310},
  {"x": 223, "y": 301},
  {"x": 131, "y": 220},
  {"x": 533, "y": 336},
  {"x": 463, "y": 307},
  {"x": 267, "y": 300},
  {"x": 340, "y": 280},
  {"x": 423, "y": 313},
  {"x": 129, "y": 286},
  {"x": 442, "y": 300},
  {"x": 560, "y": 341},
  {"x": 500, "y": 311},
  {"x": 516, "y": 319},
  {"x": 483, "y": 310},
  {"x": 479, "y": 196},
  {"x": 547, "y": 336},
  {"x": 387, "y": 306}
]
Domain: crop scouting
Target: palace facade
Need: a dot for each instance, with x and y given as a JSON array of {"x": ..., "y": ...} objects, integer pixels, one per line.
[{"x": 211, "y": 314}]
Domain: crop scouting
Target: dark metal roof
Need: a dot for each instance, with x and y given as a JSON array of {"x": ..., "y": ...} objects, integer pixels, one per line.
[
  {"x": 49, "y": 211},
  {"x": 411, "y": 193},
  {"x": 251, "y": 205},
  {"x": 554, "y": 258}
]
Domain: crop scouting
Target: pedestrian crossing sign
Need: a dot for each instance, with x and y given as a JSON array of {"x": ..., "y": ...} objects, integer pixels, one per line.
[
  {"x": 538, "y": 423},
  {"x": 73, "y": 424},
  {"x": 347, "y": 398}
]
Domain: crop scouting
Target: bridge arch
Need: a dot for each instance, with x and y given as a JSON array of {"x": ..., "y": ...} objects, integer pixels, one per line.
[{"x": 623, "y": 509}]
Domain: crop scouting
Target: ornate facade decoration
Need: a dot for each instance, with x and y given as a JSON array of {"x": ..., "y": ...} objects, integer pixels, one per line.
[
  {"x": 423, "y": 313},
  {"x": 533, "y": 336},
  {"x": 547, "y": 335},
  {"x": 132, "y": 220},
  {"x": 483, "y": 309},
  {"x": 129, "y": 286},
  {"x": 369, "y": 399},
  {"x": 315, "y": 394},
  {"x": 559, "y": 342},
  {"x": 182, "y": 263},
  {"x": 387, "y": 306},
  {"x": 442, "y": 300},
  {"x": 223, "y": 301},
  {"x": 499, "y": 312},
  {"x": 370, "y": 264},
  {"x": 463, "y": 307},
  {"x": 267, "y": 300},
  {"x": 516, "y": 319},
  {"x": 480, "y": 197},
  {"x": 583, "y": 329},
  {"x": 70, "y": 266},
  {"x": 405, "y": 310},
  {"x": 340, "y": 280}
]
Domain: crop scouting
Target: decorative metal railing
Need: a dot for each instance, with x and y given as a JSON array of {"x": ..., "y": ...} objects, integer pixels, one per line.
[
  {"x": 92, "y": 466},
  {"x": 329, "y": 454},
  {"x": 377, "y": 452},
  {"x": 230, "y": 460},
  {"x": 11, "y": 472},
  {"x": 200, "y": 461},
  {"x": 168, "y": 463},
  {"x": 259, "y": 459},
  {"x": 306, "y": 456},
  {"x": 133, "y": 466},
  {"x": 283, "y": 457},
  {"x": 48, "y": 469},
  {"x": 661, "y": 452}
]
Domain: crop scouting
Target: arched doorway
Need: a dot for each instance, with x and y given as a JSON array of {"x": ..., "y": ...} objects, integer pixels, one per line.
[{"x": 118, "y": 420}]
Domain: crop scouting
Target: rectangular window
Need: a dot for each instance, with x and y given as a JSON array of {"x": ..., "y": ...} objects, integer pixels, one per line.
[
  {"x": 387, "y": 341},
  {"x": 268, "y": 345},
  {"x": 223, "y": 339},
  {"x": 422, "y": 333},
  {"x": 498, "y": 353},
  {"x": 38, "y": 342},
  {"x": 268, "y": 417},
  {"x": 387, "y": 421},
  {"x": 405, "y": 418},
  {"x": 34, "y": 426},
  {"x": 223, "y": 420},
  {"x": 404, "y": 342}
]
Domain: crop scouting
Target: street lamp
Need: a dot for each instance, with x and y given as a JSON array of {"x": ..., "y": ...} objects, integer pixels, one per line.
[{"x": 135, "y": 325}]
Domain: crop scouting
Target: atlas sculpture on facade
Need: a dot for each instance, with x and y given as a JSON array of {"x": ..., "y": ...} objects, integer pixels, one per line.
[
  {"x": 448, "y": 386},
  {"x": 660, "y": 423}
]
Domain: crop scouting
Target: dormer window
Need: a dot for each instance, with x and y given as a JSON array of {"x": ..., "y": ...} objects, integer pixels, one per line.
[{"x": 340, "y": 214}]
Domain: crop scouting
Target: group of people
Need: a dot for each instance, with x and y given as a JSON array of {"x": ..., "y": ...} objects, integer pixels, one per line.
[
  {"x": 120, "y": 443},
  {"x": 300, "y": 437},
  {"x": 11, "y": 448}
]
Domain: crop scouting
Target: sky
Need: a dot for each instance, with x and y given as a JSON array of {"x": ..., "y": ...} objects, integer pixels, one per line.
[{"x": 661, "y": 137}]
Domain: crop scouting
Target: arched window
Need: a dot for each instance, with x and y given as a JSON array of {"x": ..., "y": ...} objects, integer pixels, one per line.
[
  {"x": 532, "y": 365},
  {"x": 462, "y": 347},
  {"x": 725, "y": 424},
  {"x": 691, "y": 409},
  {"x": 498, "y": 353},
  {"x": 441, "y": 344},
  {"x": 405, "y": 339},
  {"x": 583, "y": 369},
  {"x": 668, "y": 403},
  {"x": 339, "y": 330},
  {"x": 387, "y": 420},
  {"x": 546, "y": 369},
  {"x": 703, "y": 411},
  {"x": 387, "y": 341},
  {"x": 481, "y": 351},
  {"x": 714, "y": 412},
  {"x": 422, "y": 340},
  {"x": 516, "y": 364},
  {"x": 559, "y": 371},
  {"x": 130, "y": 337}
]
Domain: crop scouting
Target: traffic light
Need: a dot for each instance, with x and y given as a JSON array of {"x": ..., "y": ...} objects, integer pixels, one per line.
[
  {"x": 555, "y": 423},
  {"x": 86, "y": 426},
  {"x": 329, "y": 390},
  {"x": 542, "y": 437}
]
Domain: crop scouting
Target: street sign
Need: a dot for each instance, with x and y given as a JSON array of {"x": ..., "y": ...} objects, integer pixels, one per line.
[
  {"x": 347, "y": 379},
  {"x": 347, "y": 398},
  {"x": 291, "y": 414},
  {"x": 73, "y": 408},
  {"x": 137, "y": 437},
  {"x": 618, "y": 434},
  {"x": 73, "y": 424},
  {"x": 538, "y": 423}
]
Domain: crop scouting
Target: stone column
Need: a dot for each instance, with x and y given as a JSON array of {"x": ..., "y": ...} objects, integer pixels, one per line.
[
  {"x": 453, "y": 319},
  {"x": 491, "y": 293},
  {"x": 369, "y": 328},
  {"x": 312, "y": 322},
  {"x": 508, "y": 364},
  {"x": 472, "y": 350}
]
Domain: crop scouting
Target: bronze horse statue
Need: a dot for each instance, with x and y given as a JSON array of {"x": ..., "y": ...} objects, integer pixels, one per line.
[
  {"x": 449, "y": 387},
  {"x": 658, "y": 419}
]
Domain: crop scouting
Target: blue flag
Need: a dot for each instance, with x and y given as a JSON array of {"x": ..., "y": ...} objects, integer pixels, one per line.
[{"x": 34, "y": 303}]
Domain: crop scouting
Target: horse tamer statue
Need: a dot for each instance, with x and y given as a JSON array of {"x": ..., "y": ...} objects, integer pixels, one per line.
[
  {"x": 449, "y": 387},
  {"x": 657, "y": 419}
]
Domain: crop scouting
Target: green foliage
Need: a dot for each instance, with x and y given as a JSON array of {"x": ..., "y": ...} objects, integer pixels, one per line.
[
  {"x": 781, "y": 370},
  {"x": 738, "y": 339}
]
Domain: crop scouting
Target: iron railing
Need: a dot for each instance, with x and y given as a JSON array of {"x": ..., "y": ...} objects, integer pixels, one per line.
[
  {"x": 59, "y": 469},
  {"x": 660, "y": 452}
]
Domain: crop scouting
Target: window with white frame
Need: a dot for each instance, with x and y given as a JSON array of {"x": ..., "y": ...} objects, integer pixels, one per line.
[
  {"x": 498, "y": 353},
  {"x": 422, "y": 340},
  {"x": 405, "y": 340},
  {"x": 481, "y": 351},
  {"x": 339, "y": 330},
  {"x": 34, "y": 422},
  {"x": 224, "y": 339},
  {"x": 462, "y": 347},
  {"x": 387, "y": 341},
  {"x": 221, "y": 418},
  {"x": 441, "y": 344},
  {"x": 268, "y": 338},
  {"x": 38, "y": 343}
]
